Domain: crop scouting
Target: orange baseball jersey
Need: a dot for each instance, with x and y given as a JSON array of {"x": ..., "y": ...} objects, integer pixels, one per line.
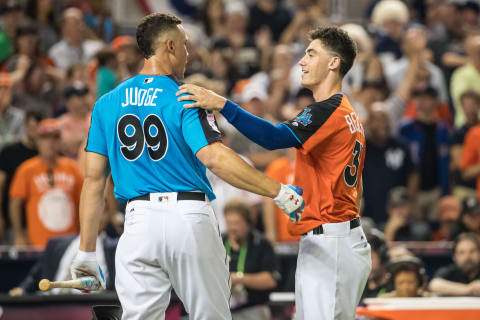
[
  {"x": 282, "y": 171},
  {"x": 329, "y": 163},
  {"x": 51, "y": 198},
  {"x": 471, "y": 151}
]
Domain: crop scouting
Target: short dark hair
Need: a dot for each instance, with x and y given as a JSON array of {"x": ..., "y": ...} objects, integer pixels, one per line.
[
  {"x": 338, "y": 41},
  {"x": 470, "y": 94},
  {"x": 33, "y": 114},
  {"x": 104, "y": 56},
  {"x": 466, "y": 236},
  {"x": 238, "y": 206},
  {"x": 149, "y": 29}
]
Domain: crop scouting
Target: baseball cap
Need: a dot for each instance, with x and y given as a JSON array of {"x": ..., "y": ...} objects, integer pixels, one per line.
[
  {"x": 5, "y": 80},
  {"x": 122, "y": 41},
  {"x": 76, "y": 89},
  {"x": 449, "y": 208},
  {"x": 252, "y": 91},
  {"x": 398, "y": 196},
  {"x": 470, "y": 205},
  {"x": 48, "y": 127}
]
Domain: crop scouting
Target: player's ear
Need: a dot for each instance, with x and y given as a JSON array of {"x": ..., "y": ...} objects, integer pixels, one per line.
[
  {"x": 334, "y": 63},
  {"x": 170, "y": 44}
]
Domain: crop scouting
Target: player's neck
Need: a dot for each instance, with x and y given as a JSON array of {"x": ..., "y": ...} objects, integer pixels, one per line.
[
  {"x": 156, "y": 66},
  {"x": 327, "y": 88}
]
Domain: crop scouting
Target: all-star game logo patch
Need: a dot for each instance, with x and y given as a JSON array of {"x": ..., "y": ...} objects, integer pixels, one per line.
[{"x": 211, "y": 121}]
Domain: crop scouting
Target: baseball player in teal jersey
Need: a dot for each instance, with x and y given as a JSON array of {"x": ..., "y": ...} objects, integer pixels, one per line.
[{"x": 158, "y": 152}]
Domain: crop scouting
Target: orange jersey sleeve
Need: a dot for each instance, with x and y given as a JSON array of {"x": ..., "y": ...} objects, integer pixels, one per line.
[{"x": 329, "y": 163}]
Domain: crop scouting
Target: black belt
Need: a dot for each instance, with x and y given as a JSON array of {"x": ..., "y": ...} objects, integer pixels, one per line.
[
  {"x": 182, "y": 195},
  {"x": 353, "y": 224}
]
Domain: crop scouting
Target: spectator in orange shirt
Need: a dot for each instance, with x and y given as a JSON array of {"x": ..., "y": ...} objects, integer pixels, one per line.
[
  {"x": 274, "y": 219},
  {"x": 471, "y": 156},
  {"x": 49, "y": 186}
]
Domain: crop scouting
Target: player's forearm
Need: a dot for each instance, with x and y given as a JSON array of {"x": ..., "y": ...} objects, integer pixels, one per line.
[
  {"x": 226, "y": 164},
  {"x": 259, "y": 281},
  {"x": 445, "y": 287},
  {"x": 91, "y": 202},
  {"x": 471, "y": 172}
]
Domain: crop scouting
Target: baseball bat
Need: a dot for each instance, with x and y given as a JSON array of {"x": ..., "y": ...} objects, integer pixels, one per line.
[{"x": 83, "y": 283}]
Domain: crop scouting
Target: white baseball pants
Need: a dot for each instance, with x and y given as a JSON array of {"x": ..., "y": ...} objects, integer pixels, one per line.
[
  {"x": 171, "y": 244},
  {"x": 332, "y": 270}
]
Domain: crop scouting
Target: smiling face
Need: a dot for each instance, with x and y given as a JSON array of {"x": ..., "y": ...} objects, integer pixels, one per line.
[{"x": 316, "y": 64}]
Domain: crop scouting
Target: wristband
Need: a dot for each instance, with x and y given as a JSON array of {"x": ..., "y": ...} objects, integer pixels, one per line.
[{"x": 86, "y": 256}]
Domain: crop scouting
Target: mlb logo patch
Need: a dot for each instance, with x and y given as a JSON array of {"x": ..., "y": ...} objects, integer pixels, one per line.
[{"x": 148, "y": 80}]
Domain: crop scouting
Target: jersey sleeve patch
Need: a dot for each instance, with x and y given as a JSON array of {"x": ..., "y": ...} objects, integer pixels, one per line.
[
  {"x": 307, "y": 122},
  {"x": 209, "y": 126}
]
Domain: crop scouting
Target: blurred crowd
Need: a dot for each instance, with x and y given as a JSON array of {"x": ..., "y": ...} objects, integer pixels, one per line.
[{"x": 415, "y": 85}]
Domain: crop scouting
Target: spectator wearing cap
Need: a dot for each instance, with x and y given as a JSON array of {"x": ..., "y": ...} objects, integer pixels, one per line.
[
  {"x": 11, "y": 157},
  {"x": 467, "y": 76},
  {"x": 12, "y": 15},
  {"x": 448, "y": 212},
  {"x": 469, "y": 220},
  {"x": 462, "y": 278},
  {"x": 428, "y": 140},
  {"x": 107, "y": 71},
  {"x": 470, "y": 164},
  {"x": 388, "y": 164},
  {"x": 11, "y": 118},
  {"x": 470, "y": 101},
  {"x": 407, "y": 276},
  {"x": 73, "y": 47},
  {"x": 75, "y": 123},
  {"x": 400, "y": 225},
  {"x": 253, "y": 265},
  {"x": 129, "y": 57},
  {"x": 49, "y": 187}
]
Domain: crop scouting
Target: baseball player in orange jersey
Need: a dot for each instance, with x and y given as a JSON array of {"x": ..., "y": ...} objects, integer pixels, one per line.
[{"x": 334, "y": 256}]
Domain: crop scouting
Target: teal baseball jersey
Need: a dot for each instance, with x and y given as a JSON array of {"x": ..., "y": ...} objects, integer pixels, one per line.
[{"x": 150, "y": 139}]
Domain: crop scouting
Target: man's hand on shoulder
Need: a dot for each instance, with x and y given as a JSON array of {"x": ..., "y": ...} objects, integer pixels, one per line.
[
  {"x": 290, "y": 200},
  {"x": 204, "y": 98}
]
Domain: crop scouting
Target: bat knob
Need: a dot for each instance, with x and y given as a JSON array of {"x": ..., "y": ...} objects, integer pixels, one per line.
[{"x": 44, "y": 284}]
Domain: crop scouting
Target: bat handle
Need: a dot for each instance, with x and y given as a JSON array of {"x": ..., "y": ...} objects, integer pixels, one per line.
[
  {"x": 83, "y": 283},
  {"x": 89, "y": 283}
]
